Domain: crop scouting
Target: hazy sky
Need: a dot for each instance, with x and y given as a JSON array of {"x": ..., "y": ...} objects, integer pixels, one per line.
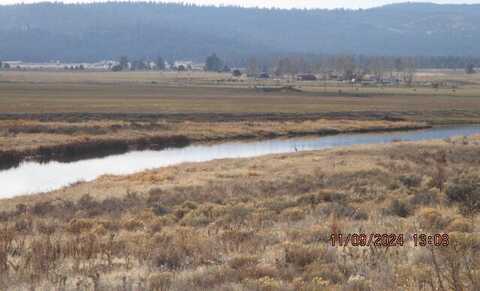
[{"x": 279, "y": 3}]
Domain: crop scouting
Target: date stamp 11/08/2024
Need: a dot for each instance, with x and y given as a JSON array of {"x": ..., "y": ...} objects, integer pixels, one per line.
[{"x": 389, "y": 240}]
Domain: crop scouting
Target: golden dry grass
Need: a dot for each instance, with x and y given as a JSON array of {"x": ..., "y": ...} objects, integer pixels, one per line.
[
  {"x": 22, "y": 135},
  {"x": 254, "y": 224}
]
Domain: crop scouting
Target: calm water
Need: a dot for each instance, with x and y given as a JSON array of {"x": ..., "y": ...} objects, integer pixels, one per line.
[{"x": 32, "y": 177}]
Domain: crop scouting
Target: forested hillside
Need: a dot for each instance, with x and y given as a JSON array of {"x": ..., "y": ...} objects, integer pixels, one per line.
[{"x": 89, "y": 32}]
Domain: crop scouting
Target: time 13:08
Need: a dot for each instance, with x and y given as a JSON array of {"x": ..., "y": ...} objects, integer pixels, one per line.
[{"x": 426, "y": 240}]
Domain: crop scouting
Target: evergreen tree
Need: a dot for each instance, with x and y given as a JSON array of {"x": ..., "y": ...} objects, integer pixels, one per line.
[
  {"x": 214, "y": 63},
  {"x": 470, "y": 69},
  {"x": 160, "y": 64},
  {"x": 124, "y": 62}
]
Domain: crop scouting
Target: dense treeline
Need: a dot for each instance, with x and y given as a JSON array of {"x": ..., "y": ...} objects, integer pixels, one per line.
[
  {"x": 293, "y": 64},
  {"x": 90, "y": 32}
]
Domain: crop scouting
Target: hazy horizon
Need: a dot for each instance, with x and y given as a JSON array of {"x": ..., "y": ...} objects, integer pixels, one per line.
[{"x": 311, "y": 4}]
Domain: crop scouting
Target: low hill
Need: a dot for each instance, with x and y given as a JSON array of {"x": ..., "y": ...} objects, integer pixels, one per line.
[{"x": 88, "y": 32}]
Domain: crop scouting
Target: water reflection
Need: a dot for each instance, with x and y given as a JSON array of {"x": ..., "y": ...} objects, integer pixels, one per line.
[{"x": 32, "y": 177}]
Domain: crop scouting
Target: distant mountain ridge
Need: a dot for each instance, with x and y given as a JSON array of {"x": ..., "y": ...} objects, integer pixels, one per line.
[{"x": 90, "y": 32}]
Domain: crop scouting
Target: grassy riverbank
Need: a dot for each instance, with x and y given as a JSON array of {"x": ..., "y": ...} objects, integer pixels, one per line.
[
  {"x": 70, "y": 115},
  {"x": 256, "y": 224},
  {"x": 67, "y": 141}
]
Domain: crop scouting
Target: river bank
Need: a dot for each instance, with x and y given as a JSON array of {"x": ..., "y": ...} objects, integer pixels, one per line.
[{"x": 43, "y": 140}]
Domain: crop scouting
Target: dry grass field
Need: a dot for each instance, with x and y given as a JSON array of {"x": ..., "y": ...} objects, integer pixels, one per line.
[
  {"x": 256, "y": 224},
  {"x": 239, "y": 224},
  {"x": 44, "y": 109},
  {"x": 153, "y": 92}
]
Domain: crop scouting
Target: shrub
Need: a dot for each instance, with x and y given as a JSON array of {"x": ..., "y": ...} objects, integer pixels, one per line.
[
  {"x": 133, "y": 224},
  {"x": 335, "y": 197},
  {"x": 168, "y": 256},
  {"x": 157, "y": 224},
  {"x": 265, "y": 270},
  {"x": 398, "y": 208},
  {"x": 207, "y": 278},
  {"x": 112, "y": 205},
  {"x": 9, "y": 159},
  {"x": 21, "y": 209},
  {"x": 23, "y": 225},
  {"x": 360, "y": 215},
  {"x": 319, "y": 233},
  {"x": 424, "y": 199},
  {"x": 432, "y": 219},
  {"x": 330, "y": 272},
  {"x": 410, "y": 181},
  {"x": 317, "y": 283},
  {"x": 235, "y": 215},
  {"x": 466, "y": 192},
  {"x": 293, "y": 214},
  {"x": 196, "y": 218},
  {"x": 109, "y": 224},
  {"x": 46, "y": 227},
  {"x": 190, "y": 205},
  {"x": 42, "y": 208},
  {"x": 264, "y": 284},
  {"x": 160, "y": 281},
  {"x": 460, "y": 224},
  {"x": 278, "y": 204},
  {"x": 317, "y": 198},
  {"x": 86, "y": 202},
  {"x": 236, "y": 238},
  {"x": 301, "y": 255},
  {"x": 240, "y": 262},
  {"x": 358, "y": 283},
  {"x": 159, "y": 209},
  {"x": 343, "y": 210},
  {"x": 78, "y": 226}
]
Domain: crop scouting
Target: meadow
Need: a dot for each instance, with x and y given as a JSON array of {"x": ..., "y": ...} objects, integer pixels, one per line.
[
  {"x": 43, "y": 111},
  {"x": 239, "y": 224},
  {"x": 256, "y": 224}
]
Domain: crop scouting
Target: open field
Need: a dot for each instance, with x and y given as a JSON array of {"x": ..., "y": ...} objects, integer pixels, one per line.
[
  {"x": 40, "y": 110},
  {"x": 256, "y": 224},
  {"x": 240, "y": 224},
  {"x": 137, "y": 92}
]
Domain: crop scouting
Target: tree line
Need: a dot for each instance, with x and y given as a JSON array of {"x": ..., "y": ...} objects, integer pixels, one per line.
[{"x": 345, "y": 67}]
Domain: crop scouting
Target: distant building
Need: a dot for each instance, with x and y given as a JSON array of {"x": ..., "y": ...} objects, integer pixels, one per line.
[
  {"x": 263, "y": 75},
  {"x": 188, "y": 65},
  {"x": 306, "y": 77},
  {"x": 237, "y": 73}
]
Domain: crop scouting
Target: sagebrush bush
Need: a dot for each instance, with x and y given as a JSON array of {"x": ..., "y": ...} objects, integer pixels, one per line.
[
  {"x": 133, "y": 224},
  {"x": 242, "y": 261},
  {"x": 79, "y": 226},
  {"x": 328, "y": 271},
  {"x": 160, "y": 281},
  {"x": 423, "y": 199},
  {"x": 460, "y": 224},
  {"x": 432, "y": 219},
  {"x": 300, "y": 255},
  {"x": 410, "y": 181},
  {"x": 398, "y": 208},
  {"x": 465, "y": 191},
  {"x": 293, "y": 214}
]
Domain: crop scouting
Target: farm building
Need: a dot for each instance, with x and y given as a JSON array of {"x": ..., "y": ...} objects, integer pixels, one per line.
[{"x": 306, "y": 77}]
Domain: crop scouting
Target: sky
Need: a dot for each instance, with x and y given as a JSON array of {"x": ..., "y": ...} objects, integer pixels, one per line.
[{"x": 329, "y": 4}]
